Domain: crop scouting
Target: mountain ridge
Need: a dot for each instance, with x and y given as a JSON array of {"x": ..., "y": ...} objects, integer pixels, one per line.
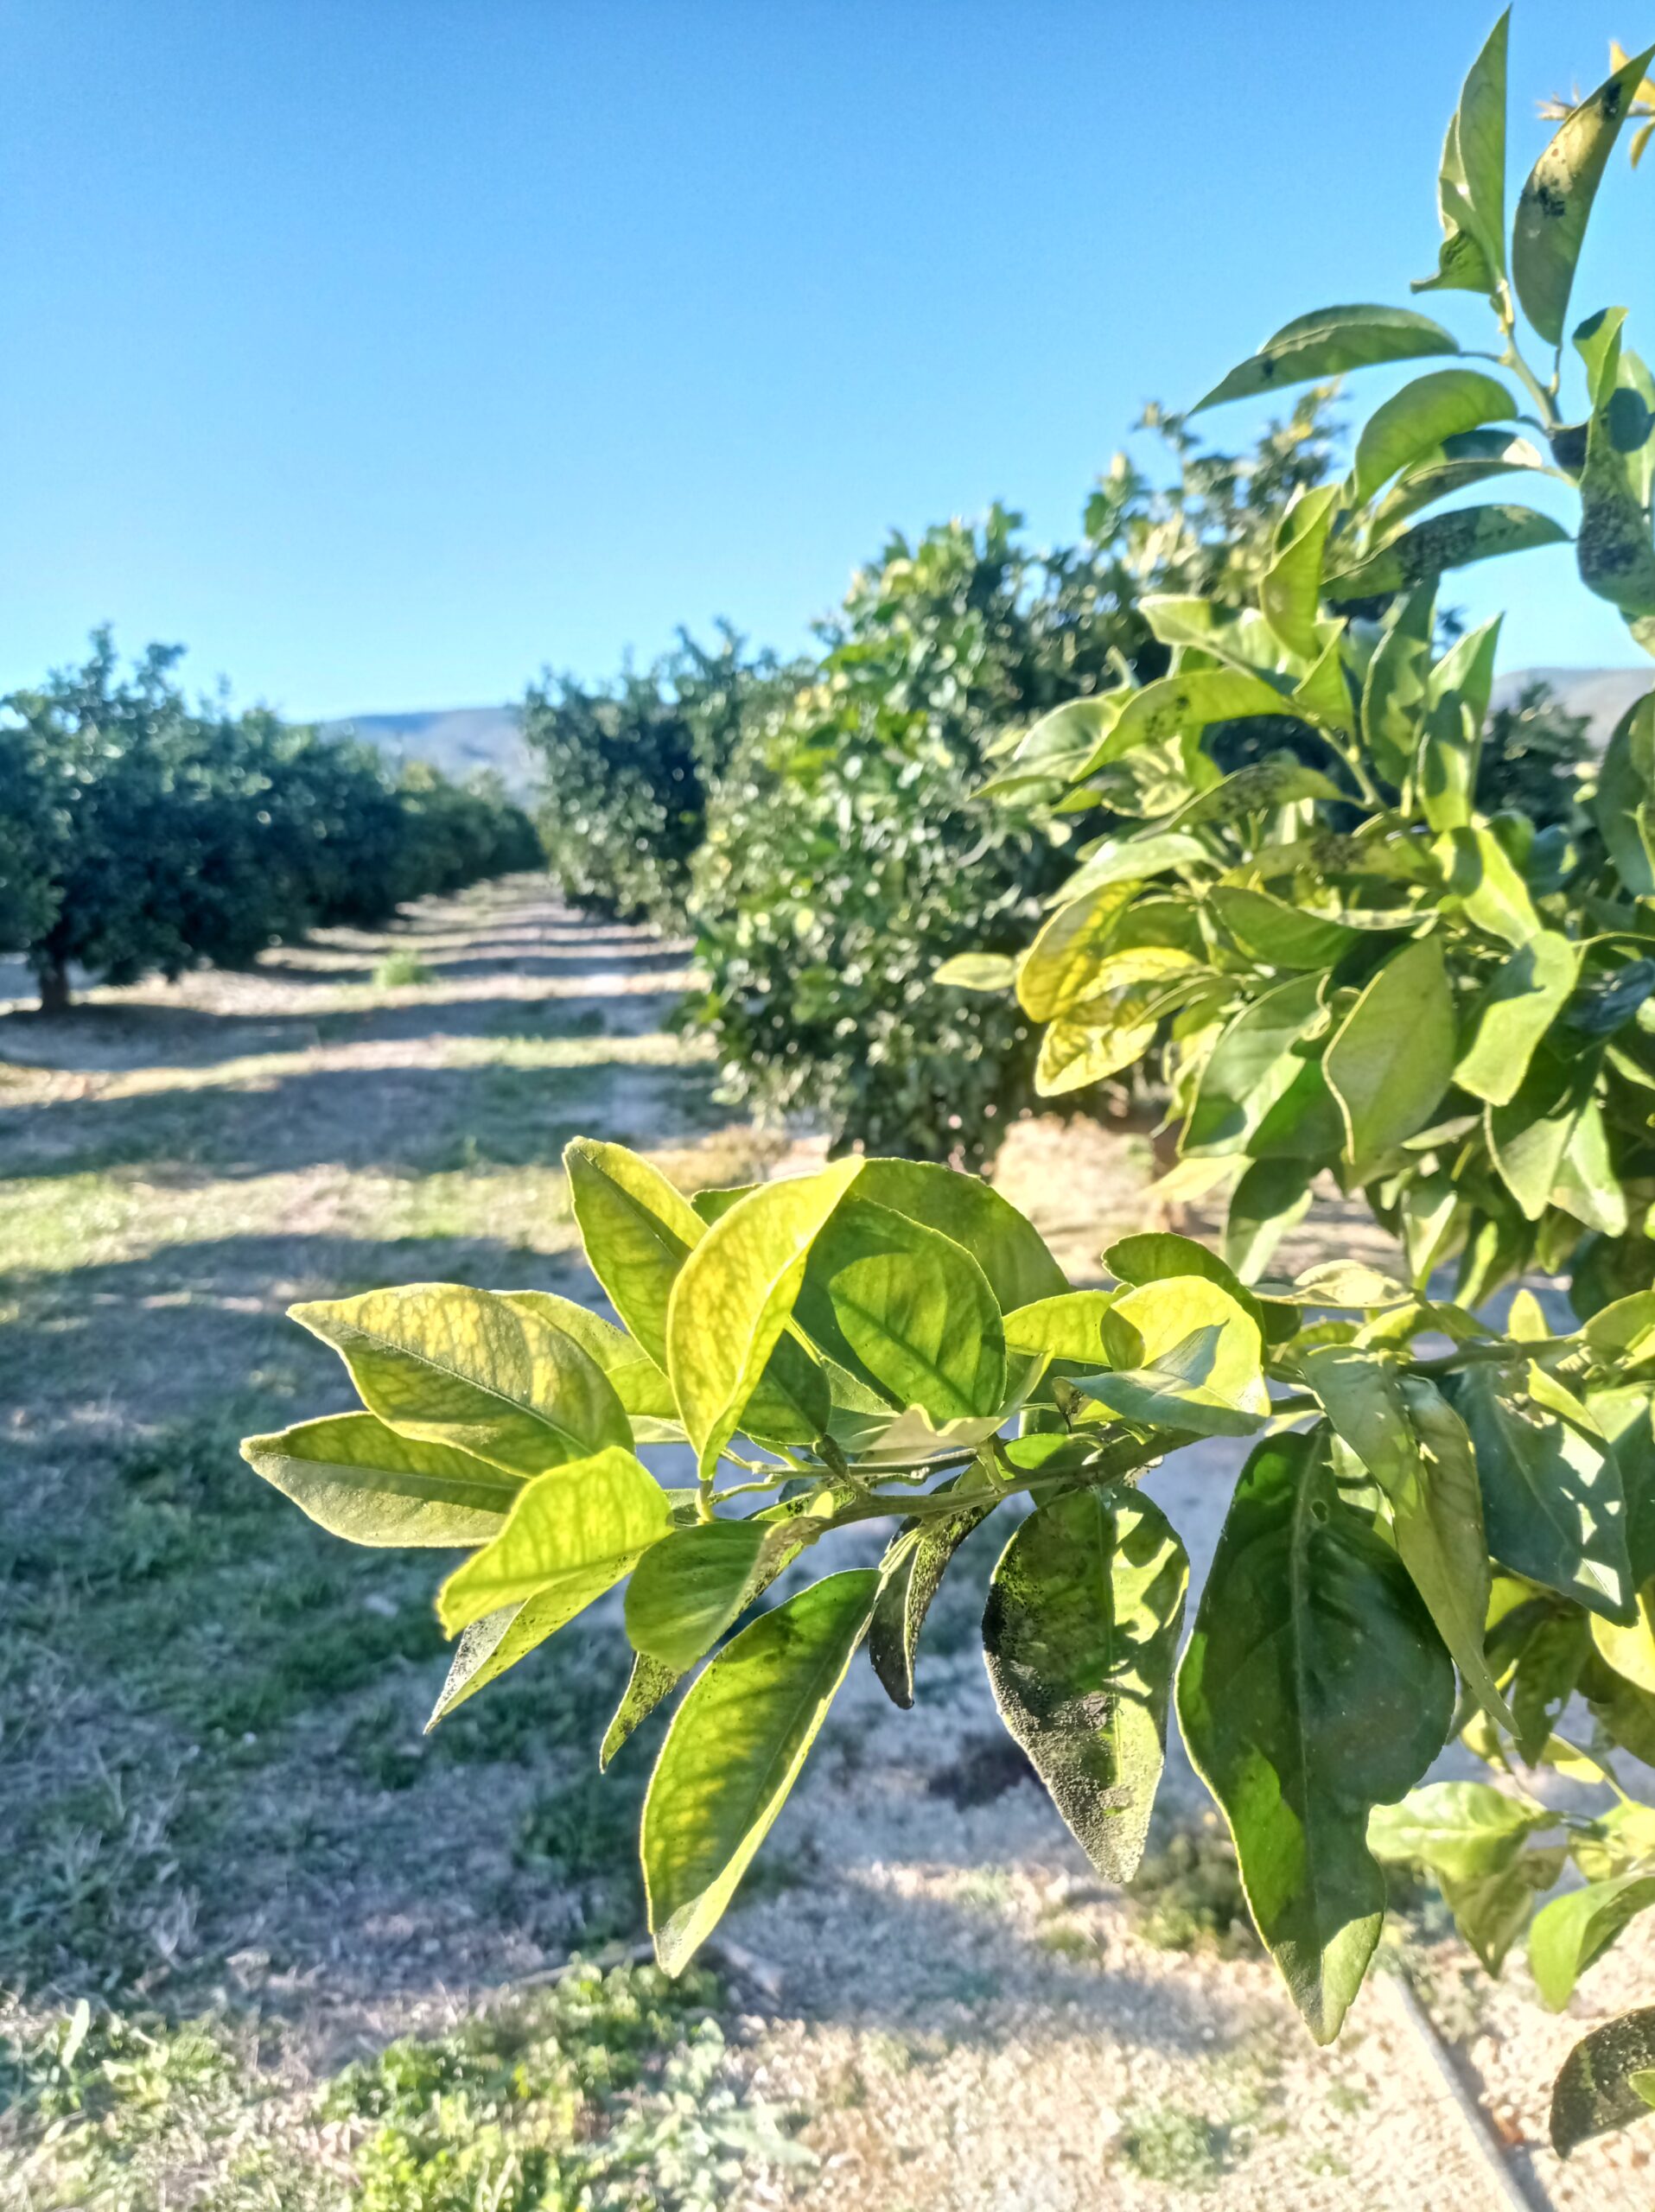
[{"x": 461, "y": 739}]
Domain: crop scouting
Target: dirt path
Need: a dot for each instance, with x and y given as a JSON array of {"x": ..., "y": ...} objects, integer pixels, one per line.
[{"x": 214, "y": 1788}]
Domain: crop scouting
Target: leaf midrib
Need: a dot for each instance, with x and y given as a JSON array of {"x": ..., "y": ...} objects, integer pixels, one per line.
[{"x": 486, "y": 1389}]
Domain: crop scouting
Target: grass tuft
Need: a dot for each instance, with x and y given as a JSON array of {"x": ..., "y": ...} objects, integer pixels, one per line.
[{"x": 398, "y": 970}]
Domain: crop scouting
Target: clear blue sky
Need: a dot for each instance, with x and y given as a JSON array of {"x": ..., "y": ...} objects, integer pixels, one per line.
[{"x": 383, "y": 350}]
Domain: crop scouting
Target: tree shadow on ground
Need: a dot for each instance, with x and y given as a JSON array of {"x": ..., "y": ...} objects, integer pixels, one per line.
[
  {"x": 405, "y": 1120},
  {"x": 100, "y": 1039},
  {"x": 97, "y": 1350},
  {"x": 532, "y": 955}
]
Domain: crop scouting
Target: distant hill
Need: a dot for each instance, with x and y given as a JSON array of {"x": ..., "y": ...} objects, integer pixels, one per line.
[
  {"x": 1602, "y": 695},
  {"x": 460, "y": 738},
  {"x": 457, "y": 740}
]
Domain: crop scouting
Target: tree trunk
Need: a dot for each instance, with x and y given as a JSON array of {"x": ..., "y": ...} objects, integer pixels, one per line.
[{"x": 53, "y": 975}]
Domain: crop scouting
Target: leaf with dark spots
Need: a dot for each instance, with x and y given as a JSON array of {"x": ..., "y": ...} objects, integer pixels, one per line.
[
  {"x": 1080, "y": 1634},
  {"x": 1556, "y": 203},
  {"x": 912, "y": 1575}
]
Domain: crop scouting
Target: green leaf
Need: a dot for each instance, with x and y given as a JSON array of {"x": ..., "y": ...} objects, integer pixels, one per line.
[
  {"x": 1414, "y": 420},
  {"x": 907, "y": 1310},
  {"x": 1576, "y": 1928},
  {"x": 1183, "y": 705},
  {"x": 977, "y": 971},
  {"x": 1329, "y": 342},
  {"x": 1005, "y": 1243},
  {"x": 1530, "y": 1134},
  {"x": 1463, "y": 1829},
  {"x": 734, "y": 1295},
  {"x": 1099, "y": 1038},
  {"x": 687, "y": 1589},
  {"x": 1154, "y": 1255},
  {"x": 649, "y": 1685},
  {"x": 1471, "y": 184},
  {"x": 1597, "y": 340},
  {"x": 1278, "y": 780},
  {"x": 1518, "y": 1007},
  {"x": 734, "y": 1752},
  {"x": 1479, "y": 878},
  {"x": 489, "y": 1646},
  {"x": 1614, "y": 550},
  {"x": 1624, "y": 1330},
  {"x": 1313, "y": 1688},
  {"x": 1624, "y": 804},
  {"x": 571, "y": 1536},
  {"x": 1446, "y": 477},
  {"x": 711, "y": 1205},
  {"x": 1080, "y": 1634},
  {"x": 651, "y": 1681},
  {"x": 447, "y": 1364},
  {"x": 1586, "y": 1185},
  {"x": 1528, "y": 991},
  {"x": 1272, "y": 1196},
  {"x": 1069, "y": 1326},
  {"x": 1290, "y": 594},
  {"x": 1416, "y": 1447},
  {"x": 1184, "y": 1354},
  {"x": 1556, "y": 202},
  {"x": 1394, "y": 694},
  {"x": 1471, "y": 1837},
  {"x": 1057, "y": 971},
  {"x": 1457, "y": 693},
  {"x": 1269, "y": 930},
  {"x": 1392, "y": 1058},
  {"x": 1630, "y": 1650},
  {"x": 638, "y": 1231},
  {"x": 910, "y": 1577},
  {"x": 1323, "y": 694},
  {"x": 1059, "y": 745},
  {"x": 1251, "y": 1066},
  {"x": 360, "y": 1480},
  {"x": 1133, "y": 860},
  {"x": 1599, "y": 2089},
  {"x": 1552, "y": 1502},
  {"x": 640, "y": 1384},
  {"x": 1449, "y": 541}
]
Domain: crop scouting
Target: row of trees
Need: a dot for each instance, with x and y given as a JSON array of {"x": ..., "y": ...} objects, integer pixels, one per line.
[
  {"x": 1299, "y": 900},
  {"x": 140, "y": 833},
  {"x": 817, "y": 825}
]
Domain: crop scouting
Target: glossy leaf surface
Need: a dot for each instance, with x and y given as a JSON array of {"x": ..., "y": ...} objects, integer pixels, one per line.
[
  {"x": 444, "y": 1363},
  {"x": 360, "y": 1480},
  {"x": 1313, "y": 1688},
  {"x": 734, "y": 1752},
  {"x": 571, "y": 1536}
]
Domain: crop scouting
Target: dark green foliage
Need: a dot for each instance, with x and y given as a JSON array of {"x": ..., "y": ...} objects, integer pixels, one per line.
[
  {"x": 845, "y": 861},
  {"x": 29, "y": 829},
  {"x": 1533, "y": 752},
  {"x": 627, "y": 767},
  {"x": 139, "y": 833}
]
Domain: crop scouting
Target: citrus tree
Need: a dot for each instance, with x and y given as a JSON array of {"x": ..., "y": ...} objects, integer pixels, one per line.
[
  {"x": 1350, "y": 963},
  {"x": 841, "y": 862},
  {"x": 626, "y": 768},
  {"x": 139, "y": 832},
  {"x": 890, "y": 1342}
]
